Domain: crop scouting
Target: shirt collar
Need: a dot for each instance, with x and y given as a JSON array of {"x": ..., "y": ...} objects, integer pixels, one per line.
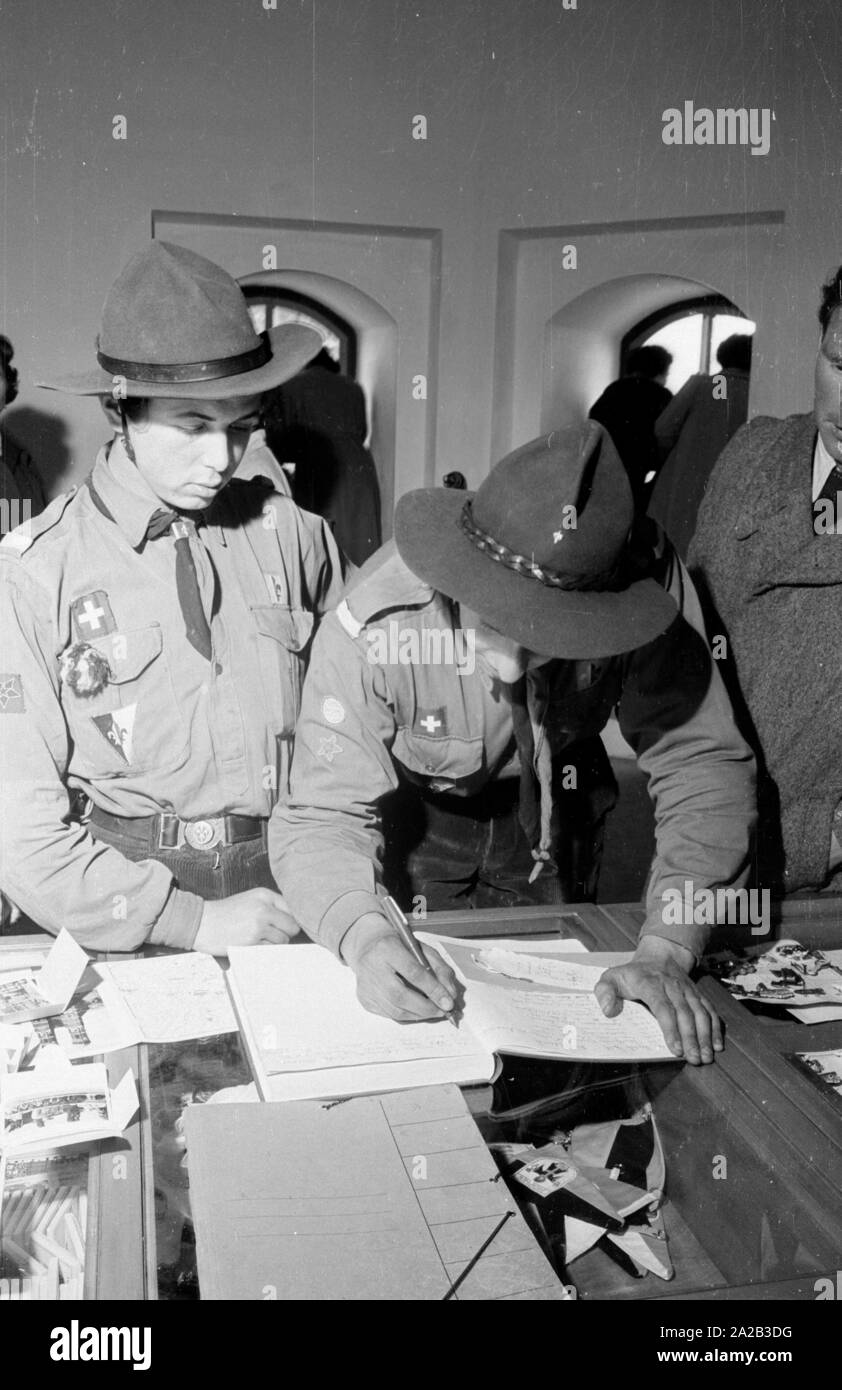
[
  {"x": 131, "y": 502},
  {"x": 823, "y": 466}
]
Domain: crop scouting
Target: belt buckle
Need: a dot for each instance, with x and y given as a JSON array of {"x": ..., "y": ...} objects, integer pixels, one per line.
[{"x": 203, "y": 834}]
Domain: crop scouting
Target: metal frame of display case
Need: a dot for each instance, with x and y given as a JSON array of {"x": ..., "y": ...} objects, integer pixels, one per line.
[{"x": 785, "y": 1139}]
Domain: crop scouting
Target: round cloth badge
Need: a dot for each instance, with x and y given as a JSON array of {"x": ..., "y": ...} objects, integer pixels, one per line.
[{"x": 333, "y": 710}]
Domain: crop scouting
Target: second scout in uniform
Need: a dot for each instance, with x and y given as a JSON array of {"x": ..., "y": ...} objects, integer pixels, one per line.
[
  {"x": 457, "y": 696},
  {"x": 154, "y": 625}
]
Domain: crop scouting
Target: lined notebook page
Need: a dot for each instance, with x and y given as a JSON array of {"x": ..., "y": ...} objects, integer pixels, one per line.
[{"x": 308, "y": 1035}]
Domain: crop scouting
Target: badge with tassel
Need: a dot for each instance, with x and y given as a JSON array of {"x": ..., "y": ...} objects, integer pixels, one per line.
[{"x": 85, "y": 670}]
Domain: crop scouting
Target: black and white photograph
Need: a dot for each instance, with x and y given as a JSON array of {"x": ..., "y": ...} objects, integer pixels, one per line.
[{"x": 420, "y": 651}]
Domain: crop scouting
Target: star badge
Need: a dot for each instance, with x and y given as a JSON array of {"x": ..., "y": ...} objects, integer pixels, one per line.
[
  {"x": 11, "y": 695},
  {"x": 328, "y": 748}
]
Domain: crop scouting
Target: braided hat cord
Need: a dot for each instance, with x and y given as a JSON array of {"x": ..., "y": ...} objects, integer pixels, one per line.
[{"x": 615, "y": 578}]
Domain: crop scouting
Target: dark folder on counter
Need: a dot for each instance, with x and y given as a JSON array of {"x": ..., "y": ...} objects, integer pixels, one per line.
[{"x": 383, "y": 1197}]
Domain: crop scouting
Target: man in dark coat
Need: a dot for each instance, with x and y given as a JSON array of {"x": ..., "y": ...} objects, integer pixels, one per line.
[
  {"x": 628, "y": 409},
  {"x": 318, "y": 422},
  {"x": 771, "y": 564}
]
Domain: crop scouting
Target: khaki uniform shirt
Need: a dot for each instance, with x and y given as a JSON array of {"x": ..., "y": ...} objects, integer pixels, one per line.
[
  {"x": 367, "y": 708},
  {"x": 170, "y": 731}
]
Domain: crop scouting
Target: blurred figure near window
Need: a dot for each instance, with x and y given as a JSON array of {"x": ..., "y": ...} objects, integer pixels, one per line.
[
  {"x": 21, "y": 489},
  {"x": 318, "y": 422},
  {"x": 628, "y": 409},
  {"x": 691, "y": 434},
  {"x": 455, "y": 479}
]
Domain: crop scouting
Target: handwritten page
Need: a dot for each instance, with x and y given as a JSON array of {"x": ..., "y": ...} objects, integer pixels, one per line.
[
  {"x": 564, "y": 1025},
  {"x": 170, "y": 998},
  {"x": 558, "y": 972},
  {"x": 299, "y": 1010},
  {"x": 384, "y": 1198}
]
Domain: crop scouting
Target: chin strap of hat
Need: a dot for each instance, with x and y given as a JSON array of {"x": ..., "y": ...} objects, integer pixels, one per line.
[{"x": 124, "y": 421}]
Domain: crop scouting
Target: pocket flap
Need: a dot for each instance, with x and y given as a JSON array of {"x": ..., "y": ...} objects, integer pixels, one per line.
[
  {"x": 456, "y": 758},
  {"x": 129, "y": 653},
  {"x": 292, "y": 627}
]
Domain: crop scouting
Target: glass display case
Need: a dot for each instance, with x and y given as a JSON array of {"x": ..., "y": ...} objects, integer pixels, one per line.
[{"x": 752, "y": 1151}]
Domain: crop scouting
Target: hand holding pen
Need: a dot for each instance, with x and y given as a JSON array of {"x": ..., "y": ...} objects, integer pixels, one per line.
[
  {"x": 394, "y": 976},
  {"x": 398, "y": 919}
]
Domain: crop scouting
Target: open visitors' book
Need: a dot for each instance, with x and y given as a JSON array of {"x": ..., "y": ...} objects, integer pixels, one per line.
[{"x": 308, "y": 1035}]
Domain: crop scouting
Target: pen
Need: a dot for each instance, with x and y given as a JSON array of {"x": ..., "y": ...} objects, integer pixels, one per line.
[
  {"x": 474, "y": 1260},
  {"x": 397, "y": 918}
]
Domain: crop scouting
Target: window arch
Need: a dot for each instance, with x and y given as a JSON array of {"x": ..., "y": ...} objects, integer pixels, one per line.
[
  {"x": 270, "y": 305},
  {"x": 692, "y": 331}
]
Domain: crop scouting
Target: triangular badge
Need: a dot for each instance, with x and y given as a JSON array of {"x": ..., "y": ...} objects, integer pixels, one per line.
[{"x": 118, "y": 727}]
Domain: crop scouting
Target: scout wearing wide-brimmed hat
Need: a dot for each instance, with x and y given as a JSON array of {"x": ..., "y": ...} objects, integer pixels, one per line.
[
  {"x": 448, "y": 746},
  {"x": 155, "y": 626}
]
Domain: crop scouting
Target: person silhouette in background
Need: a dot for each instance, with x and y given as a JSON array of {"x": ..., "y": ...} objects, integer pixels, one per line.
[
  {"x": 318, "y": 422},
  {"x": 21, "y": 488},
  {"x": 691, "y": 434},
  {"x": 628, "y": 409}
]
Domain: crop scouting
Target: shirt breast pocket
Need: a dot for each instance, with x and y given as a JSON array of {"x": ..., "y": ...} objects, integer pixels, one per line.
[
  {"x": 283, "y": 642},
  {"x": 445, "y": 763},
  {"x": 133, "y": 723}
]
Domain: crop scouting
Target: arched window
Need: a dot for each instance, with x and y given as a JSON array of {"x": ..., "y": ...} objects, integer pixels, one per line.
[
  {"x": 269, "y": 306},
  {"x": 692, "y": 331}
]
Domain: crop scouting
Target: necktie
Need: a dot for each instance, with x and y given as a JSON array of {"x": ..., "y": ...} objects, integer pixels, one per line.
[
  {"x": 832, "y": 487},
  {"x": 186, "y": 579}
]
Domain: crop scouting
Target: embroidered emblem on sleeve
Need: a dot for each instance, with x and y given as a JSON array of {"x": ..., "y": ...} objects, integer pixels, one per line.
[
  {"x": 11, "y": 695},
  {"x": 333, "y": 710},
  {"x": 328, "y": 748},
  {"x": 92, "y": 616}
]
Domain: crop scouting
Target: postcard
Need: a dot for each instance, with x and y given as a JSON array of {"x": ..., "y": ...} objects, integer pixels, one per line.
[
  {"x": 63, "y": 1105},
  {"x": 784, "y": 973},
  {"x": 30, "y": 994},
  {"x": 824, "y": 1069}
]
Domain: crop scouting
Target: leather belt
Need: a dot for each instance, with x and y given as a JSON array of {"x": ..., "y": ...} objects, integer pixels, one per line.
[{"x": 168, "y": 831}]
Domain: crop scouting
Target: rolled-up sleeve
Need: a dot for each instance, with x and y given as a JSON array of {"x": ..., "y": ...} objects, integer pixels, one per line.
[
  {"x": 325, "y": 837},
  {"x": 677, "y": 716}
]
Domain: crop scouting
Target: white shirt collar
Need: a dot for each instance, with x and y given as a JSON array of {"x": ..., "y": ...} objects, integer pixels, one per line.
[{"x": 823, "y": 466}]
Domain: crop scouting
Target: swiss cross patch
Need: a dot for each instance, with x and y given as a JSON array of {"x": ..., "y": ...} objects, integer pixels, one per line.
[
  {"x": 11, "y": 694},
  {"x": 118, "y": 727},
  {"x": 92, "y": 616},
  {"x": 432, "y": 722}
]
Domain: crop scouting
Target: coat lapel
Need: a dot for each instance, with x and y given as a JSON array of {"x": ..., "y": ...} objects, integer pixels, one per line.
[{"x": 778, "y": 516}]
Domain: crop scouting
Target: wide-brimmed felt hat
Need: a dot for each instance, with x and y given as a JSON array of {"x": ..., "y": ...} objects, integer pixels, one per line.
[
  {"x": 176, "y": 325},
  {"x": 545, "y": 550}
]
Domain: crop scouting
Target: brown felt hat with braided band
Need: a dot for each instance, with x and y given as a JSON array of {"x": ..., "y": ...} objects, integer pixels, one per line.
[{"x": 510, "y": 552}]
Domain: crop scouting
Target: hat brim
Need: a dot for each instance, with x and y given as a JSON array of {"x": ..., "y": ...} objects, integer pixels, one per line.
[
  {"x": 571, "y": 624},
  {"x": 293, "y": 346}
]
